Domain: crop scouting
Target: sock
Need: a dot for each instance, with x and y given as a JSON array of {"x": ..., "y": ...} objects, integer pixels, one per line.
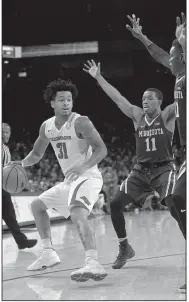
[
  {"x": 91, "y": 254},
  {"x": 123, "y": 239},
  {"x": 117, "y": 207},
  {"x": 46, "y": 243}
]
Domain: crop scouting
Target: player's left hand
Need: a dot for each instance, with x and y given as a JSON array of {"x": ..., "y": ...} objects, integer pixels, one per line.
[
  {"x": 92, "y": 69},
  {"x": 136, "y": 28},
  {"x": 181, "y": 29},
  {"x": 74, "y": 173}
]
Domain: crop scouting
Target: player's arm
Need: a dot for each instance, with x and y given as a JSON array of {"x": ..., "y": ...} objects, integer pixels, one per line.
[
  {"x": 181, "y": 33},
  {"x": 38, "y": 150},
  {"x": 169, "y": 117},
  {"x": 126, "y": 107},
  {"x": 85, "y": 130},
  {"x": 160, "y": 55},
  {"x": 169, "y": 113}
]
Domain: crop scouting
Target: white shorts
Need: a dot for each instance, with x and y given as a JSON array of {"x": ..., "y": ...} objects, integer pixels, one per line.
[{"x": 62, "y": 197}]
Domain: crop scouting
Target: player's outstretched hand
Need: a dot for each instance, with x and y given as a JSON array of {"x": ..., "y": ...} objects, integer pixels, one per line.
[
  {"x": 136, "y": 29},
  {"x": 92, "y": 69},
  {"x": 181, "y": 29}
]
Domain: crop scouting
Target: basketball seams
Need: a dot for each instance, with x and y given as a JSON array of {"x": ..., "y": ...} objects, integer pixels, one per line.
[
  {"x": 17, "y": 181},
  {"x": 8, "y": 177},
  {"x": 23, "y": 171},
  {"x": 16, "y": 177}
]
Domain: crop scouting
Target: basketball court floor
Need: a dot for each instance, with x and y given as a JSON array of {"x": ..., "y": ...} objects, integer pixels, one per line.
[{"x": 155, "y": 273}]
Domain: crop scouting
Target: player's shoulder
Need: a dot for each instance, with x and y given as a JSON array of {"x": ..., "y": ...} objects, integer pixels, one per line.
[
  {"x": 47, "y": 124},
  {"x": 181, "y": 81},
  {"x": 82, "y": 120},
  {"x": 83, "y": 125}
]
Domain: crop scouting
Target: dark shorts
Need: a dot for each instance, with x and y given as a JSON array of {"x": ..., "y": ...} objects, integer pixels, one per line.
[
  {"x": 143, "y": 181},
  {"x": 180, "y": 187}
]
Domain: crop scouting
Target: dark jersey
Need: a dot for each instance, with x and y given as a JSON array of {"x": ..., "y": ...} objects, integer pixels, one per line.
[
  {"x": 6, "y": 156},
  {"x": 153, "y": 141},
  {"x": 180, "y": 99}
]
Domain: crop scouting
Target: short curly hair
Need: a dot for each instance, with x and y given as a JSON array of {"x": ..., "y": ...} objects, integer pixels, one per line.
[{"x": 59, "y": 85}]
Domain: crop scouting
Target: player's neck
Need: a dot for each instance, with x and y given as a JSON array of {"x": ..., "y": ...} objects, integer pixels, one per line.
[
  {"x": 62, "y": 119},
  {"x": 154, "y": 115}
]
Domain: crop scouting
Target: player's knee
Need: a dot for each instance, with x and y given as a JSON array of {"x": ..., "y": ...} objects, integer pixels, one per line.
[
  {"x": 78, "y": 214},
  {"x": 37, "y": 205},
  {"x": 118, "y": 204},
  {"x": 168, "y": 201}
]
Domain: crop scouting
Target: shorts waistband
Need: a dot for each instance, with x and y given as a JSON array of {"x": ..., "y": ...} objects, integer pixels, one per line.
[{"x": 155, "y": 165}]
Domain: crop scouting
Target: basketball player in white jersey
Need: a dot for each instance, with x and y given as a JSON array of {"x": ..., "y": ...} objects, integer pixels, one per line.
[{"x": 78, "y": 148}]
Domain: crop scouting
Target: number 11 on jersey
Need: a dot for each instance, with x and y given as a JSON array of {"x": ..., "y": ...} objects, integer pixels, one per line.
[{"x": 150, "y": 144}]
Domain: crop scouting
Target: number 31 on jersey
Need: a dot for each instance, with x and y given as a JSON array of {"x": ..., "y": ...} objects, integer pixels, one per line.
[{"x": 62, "y": 150}]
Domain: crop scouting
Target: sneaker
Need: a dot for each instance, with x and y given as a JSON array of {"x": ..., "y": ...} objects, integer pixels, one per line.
[
  {"x": 92, "y": 269},
  {"x": 182, "y": 289},
  {"x": 125, "y": 252},
  {"x": 27, "y": 244},
  {"x": 48, "y": 258}
]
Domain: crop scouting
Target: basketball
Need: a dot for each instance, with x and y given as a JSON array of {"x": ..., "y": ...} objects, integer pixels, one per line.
[{"x": 14, "y": 178}]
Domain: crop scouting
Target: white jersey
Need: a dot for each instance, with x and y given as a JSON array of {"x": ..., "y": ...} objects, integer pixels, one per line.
[{"x": 69, "y": 149}]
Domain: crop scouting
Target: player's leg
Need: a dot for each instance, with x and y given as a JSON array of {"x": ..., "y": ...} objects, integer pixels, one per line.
[
  {"x": 179, "y": 202},
  {"x": 9, "y": 216},
  {"x": 48, "y": 199},
  {"x": 179, "y": 198},
  {"x": 83, "y": 195},
  {"x": 133, "y": 189},
  {"x": 165, "y": 183}
]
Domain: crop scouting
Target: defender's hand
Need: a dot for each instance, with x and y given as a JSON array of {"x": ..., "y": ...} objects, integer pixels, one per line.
[
  {"x": 181, "y": 29},
  {"x": 92, "y": 69},
  {"x": 136, "y": 30}
]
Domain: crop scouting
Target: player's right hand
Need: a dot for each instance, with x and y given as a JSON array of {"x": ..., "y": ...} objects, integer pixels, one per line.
[
  {"x": 136, "y": 30},
  {"x": 92, "y": 69},
  {"x": 181, "y": 29}
]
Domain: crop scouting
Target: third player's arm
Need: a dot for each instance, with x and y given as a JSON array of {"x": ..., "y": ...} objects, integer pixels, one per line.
[
  {"x": 38, "y": 150},
  {"x": 169, "y": 116},
  {"x": 86, "y": 130},
  {"x": 160, "y": 55}
]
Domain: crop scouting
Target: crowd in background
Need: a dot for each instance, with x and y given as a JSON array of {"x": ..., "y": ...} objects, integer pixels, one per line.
[{"x": 115, "y": 167}]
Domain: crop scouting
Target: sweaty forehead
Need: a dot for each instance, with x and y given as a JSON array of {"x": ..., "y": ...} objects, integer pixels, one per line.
[
  {"x": 63, "y": 94},
  {"x": 148, "y": 94}
]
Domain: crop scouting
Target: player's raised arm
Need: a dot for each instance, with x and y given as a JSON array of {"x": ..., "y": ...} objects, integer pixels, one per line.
[
  {"x": 126, "y": 107},
  {"x": 170, "y": 111},
  {"x": 160, "y": 55},
  {"x": 181, "y": 32},
  {"x": 38, "y": 150}
]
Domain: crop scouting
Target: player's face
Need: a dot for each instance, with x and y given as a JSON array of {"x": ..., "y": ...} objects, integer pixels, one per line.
[
  {"x": 175, "y": 60},
  {"x": 150, "y": 102},
  {"x": 63, "y": 103},
  {"x": 6, "y": 133}
]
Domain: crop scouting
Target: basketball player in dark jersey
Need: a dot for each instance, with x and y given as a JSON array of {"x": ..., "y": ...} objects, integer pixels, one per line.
[
  {"x": 8, "y": 212},
  {"x": 154, "y": 170},
  {"x": 175, "y": 61}
]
